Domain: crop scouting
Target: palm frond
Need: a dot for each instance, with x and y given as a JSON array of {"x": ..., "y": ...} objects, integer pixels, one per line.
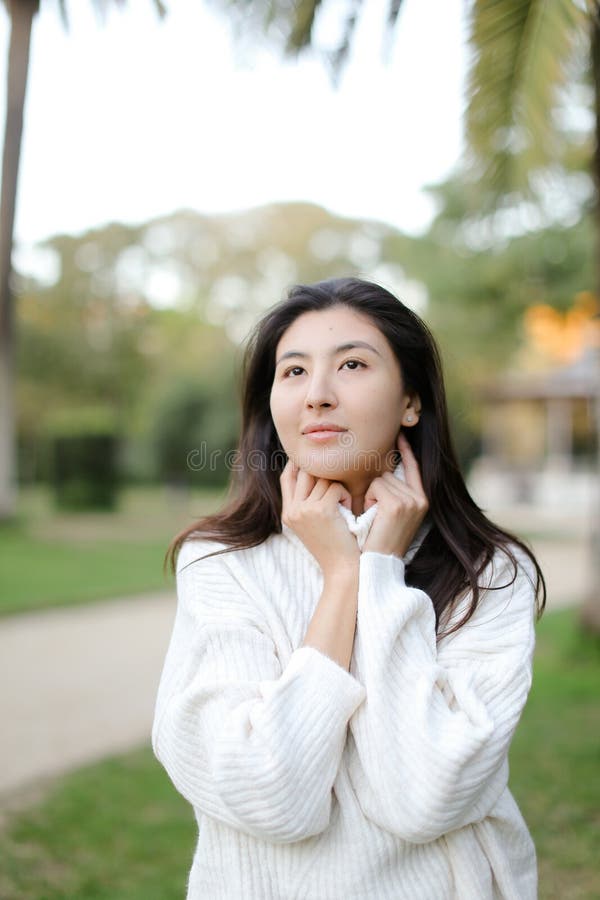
[
  {"x": 393, "y": 13},
  {"x": 101, "y": 7},
  {"x": 339, "y": 57},
  {"x": 521, "y": 52},
  {"x": 62, "y": 9},
  {"x": 302, "y": 25},
  {"x": 289, "y": 25}
]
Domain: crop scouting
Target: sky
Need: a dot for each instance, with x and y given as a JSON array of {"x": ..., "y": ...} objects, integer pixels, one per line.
[{"x": 138, "y": 117}]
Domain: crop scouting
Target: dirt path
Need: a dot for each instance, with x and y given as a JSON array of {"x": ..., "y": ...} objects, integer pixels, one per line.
[
  {"x": 567, "y": 567},
  {"x": 78, "y": 684}
]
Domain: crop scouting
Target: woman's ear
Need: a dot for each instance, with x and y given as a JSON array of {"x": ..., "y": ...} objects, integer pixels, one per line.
[{"x": 412, "y": 411}]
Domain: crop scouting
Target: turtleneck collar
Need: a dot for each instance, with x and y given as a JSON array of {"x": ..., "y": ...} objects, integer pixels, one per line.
[{"x": 360, "y": 525}]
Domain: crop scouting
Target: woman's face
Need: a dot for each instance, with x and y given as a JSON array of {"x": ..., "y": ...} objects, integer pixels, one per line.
[{"x": 334, "y": 366}]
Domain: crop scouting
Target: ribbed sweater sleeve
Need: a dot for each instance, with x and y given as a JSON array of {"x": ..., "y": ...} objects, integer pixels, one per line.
[
  {"x": 433, "y": 734},
  {"x": 246, "y": 740}
]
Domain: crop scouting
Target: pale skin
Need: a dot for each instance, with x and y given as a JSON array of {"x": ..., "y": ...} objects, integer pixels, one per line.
[
  {"x": 310, "y": 509},
  {"x": 369, "y": 405}
]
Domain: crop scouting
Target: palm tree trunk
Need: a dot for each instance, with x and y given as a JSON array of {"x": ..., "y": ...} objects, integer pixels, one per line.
[
  {"x": 21, "y": 14},
  {"x": 590, "y": 613}
]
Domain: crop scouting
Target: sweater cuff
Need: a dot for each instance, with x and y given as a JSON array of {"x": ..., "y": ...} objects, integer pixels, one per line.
[
  {"x": 386, "y": 604},
  {"x": 379, "y": 570},
  {"x": 328, "y": 687}
]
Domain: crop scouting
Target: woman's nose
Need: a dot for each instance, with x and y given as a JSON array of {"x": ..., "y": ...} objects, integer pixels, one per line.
[{"x": 320, "y": 393}]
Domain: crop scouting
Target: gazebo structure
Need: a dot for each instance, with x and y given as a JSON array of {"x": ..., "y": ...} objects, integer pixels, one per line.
[{"x": 540, "y": 437}]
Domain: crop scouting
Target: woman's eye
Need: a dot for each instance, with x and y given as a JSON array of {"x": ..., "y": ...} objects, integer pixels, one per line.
[{"x": 353, "y": 362}]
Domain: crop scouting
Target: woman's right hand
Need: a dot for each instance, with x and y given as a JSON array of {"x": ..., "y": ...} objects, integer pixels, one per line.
[{"x": 310, "y": 509}]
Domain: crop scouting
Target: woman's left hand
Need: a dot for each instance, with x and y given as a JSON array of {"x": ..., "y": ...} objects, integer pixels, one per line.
[{"x": 401, "y": 506}]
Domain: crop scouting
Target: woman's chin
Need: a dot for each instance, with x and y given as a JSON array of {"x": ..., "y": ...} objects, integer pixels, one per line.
[{"x": 334, "y": 466}]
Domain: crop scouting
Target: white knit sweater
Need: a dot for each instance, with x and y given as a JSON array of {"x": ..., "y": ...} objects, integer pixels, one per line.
[{"x": 310, "y": 782}]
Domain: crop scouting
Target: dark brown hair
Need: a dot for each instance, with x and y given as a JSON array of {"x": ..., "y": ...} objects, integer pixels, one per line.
[{"x": 461, "y": 541}]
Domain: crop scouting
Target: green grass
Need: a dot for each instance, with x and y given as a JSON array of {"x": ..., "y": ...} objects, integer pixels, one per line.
[
  {"x": 555, "y": 760},
  {"x": 51, "y": 558},
  {"x": 115, "y": 831},
  {"x": 119, "y": 830},
  {"x": 38, "y": 574}
]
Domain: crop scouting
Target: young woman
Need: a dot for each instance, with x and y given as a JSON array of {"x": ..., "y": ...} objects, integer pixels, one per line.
[{"x": 353, "y": 641}]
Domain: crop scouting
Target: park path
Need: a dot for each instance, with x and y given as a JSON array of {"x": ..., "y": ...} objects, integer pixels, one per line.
[{"x": 79, "y": 683}]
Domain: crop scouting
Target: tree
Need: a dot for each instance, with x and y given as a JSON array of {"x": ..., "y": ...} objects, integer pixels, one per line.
[
  {"x": 528, "y": 57},
  {"x": 525, "y": 54},
  {"x": 21, "y": 14}
]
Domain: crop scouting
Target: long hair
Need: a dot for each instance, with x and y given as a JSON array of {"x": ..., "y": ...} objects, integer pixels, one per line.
[{"x": 461, "y": 540}]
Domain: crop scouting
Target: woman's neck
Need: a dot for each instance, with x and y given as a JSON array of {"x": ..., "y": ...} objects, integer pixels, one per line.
[{"x": 358, "y": 503}]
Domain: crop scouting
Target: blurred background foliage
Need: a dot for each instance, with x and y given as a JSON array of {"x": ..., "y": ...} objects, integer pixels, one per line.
[{"x": 149, "y": 321}]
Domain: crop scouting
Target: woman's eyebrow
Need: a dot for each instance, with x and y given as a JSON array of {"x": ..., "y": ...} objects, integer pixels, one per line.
[{"x": 349, "y": 345}]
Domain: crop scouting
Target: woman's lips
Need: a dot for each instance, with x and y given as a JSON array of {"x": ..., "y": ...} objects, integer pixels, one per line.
[{"x": 321, "y": 436}]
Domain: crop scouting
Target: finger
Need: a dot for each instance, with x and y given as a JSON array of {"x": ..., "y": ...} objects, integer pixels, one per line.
[
  {"x": 290, "y": 466},
  {"x": 400, "y": 490},
  {"x": 373, "y": 493},
  {"x": 304, "y": 485},
  {"x": 387, "y": 487},
  {"x": 395, "y": 485},
  {"x": 287, "y": 484},
  {"x": 340, "y": 494},
  {"x": 321, "y": 487},
  {"x": 411, "y": 466},
  {"x": 288, "y": 475}
]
